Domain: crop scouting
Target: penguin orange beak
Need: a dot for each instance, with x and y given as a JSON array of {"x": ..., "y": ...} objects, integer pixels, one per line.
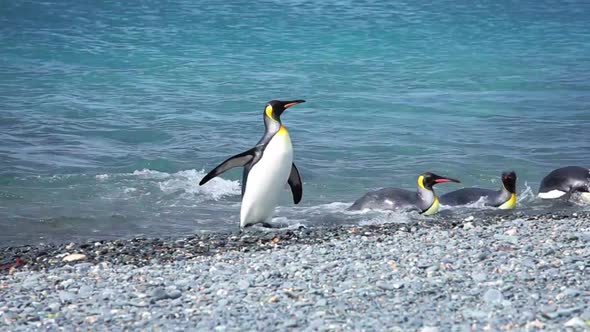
[
  {"x": 293, "y": 103},
  {"x": 443, "y": 180}
]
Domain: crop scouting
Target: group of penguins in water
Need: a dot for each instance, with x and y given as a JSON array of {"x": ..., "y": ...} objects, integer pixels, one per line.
[{"x": 269, "y": 165}]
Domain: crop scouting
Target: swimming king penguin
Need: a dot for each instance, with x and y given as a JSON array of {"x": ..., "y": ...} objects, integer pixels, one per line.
[
  {"x": 267, "y": 167},
  {"x": 565, "y": 181},
  {"x": 424, "y": 200},
  {"x": 504, "y": 198}
]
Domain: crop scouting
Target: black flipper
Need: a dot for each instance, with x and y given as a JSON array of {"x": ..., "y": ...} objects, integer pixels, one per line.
[
  {"x": 295, "y": 184},
  {"x": 238, "y": 160}
]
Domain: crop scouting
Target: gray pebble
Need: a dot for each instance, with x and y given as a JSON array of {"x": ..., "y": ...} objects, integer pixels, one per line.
[
  {"x": 174, "y": 294},
  {"x": 159, "y": 294},
  {"x": 479, "y": 276},
  {"x": 429, "y": 329},
  {"x": 243, "y": 284},
  {"x": 67, "y": 297},
  {"x": 53, "y": 306},
  {"x": 384, "y": 285},
  {"x": 493, "y": 297},
  {"x": 82, "y": 267},
  {"x": 85, "y": 291},
  {"x": 291, "y": 323}
]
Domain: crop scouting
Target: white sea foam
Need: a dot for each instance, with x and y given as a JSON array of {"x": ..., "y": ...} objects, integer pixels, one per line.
[
  {"x": 185, "y": 184},
  {"x": 102, "y": 177},
  {"x": 150, "y": 174},
  {"x": 188, "y": 182},
  {"x": 527, "y": 195},
  {"x": 397, "y": 217},
  {"x": 334, "y": 207}
]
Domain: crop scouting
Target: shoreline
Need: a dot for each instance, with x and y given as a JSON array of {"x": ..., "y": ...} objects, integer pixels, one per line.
[{"x": 142, "y": 251}]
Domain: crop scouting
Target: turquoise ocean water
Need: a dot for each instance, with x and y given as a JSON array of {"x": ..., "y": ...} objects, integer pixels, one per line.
[{"x": 111, "y": 111}]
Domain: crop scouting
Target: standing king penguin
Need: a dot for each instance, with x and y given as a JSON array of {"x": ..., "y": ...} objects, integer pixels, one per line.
[
  {"x": 267, "y": 167},
  {"x": 503, "y": 199},
  {"x": 424, "y": 200}
]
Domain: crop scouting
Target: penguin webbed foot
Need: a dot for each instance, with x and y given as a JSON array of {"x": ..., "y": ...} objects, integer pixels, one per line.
[
  {"x": 261, "y": 225},
  {"x": 267, "y": 225}
]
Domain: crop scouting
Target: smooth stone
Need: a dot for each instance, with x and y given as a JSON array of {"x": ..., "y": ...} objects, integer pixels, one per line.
[
  {"x": 550, "y": 311},
  {"x": 139, "y": 304},
  {"x": 107, "y": 293},
  {"x": 384, "y": 285},
  {"x": 423, "y": 264},
  {"x": 525, "y": 276},
  {"x": 493, "y": 297},
  {"x": 53, "y": 306},
  {"x": 432, "y": 269},
  {"x": 479, "y": 276},
  {"x": 476, "y": 314},
  {"x": 429, "y": 329},
  {"x": 507, "y": 238},
  {"x": 159, "y": 294},
  {"x": 528, "y": 262},
  {"x": 67, "y": 283},
  {"x": 483, "y": 255},
  {"x": 67, "y": 297},
  {"x": 511, "y": 232},
  {"x": 398, "y": 285},
  {"x": 576, "y": 322},
  {"x": 243, "y": 284},
  {"x": 527, "y": 315},
  {"x": 174, "y": 294},
  {"x": 569, "y": 311},
  {"x": 83, "y": 266},
  {"x": 74, "y": 257},
  {"x": 85, "y": 291},
  {"x": 572, "y": 292}
]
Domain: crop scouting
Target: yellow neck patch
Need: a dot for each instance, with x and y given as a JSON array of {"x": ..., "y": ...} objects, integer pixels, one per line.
[
  {"x": 421, "y": 182},
  {"x": 433, "y": 208},
  {"x": 283, "y": 131},
  {"x": 269, "y": 111},
  {"x": 509, "y": 204}
]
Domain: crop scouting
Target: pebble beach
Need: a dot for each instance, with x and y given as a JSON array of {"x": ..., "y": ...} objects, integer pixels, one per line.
[{"x": 510, "y": 272}]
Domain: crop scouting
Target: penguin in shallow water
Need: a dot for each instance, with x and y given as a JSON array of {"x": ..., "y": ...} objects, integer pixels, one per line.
[
  {"x": 565, "y": 181},
  {"x": 267, "y": 167},
  {"x": 504, "y": 198},
  {"x": 424, "y": 199}
]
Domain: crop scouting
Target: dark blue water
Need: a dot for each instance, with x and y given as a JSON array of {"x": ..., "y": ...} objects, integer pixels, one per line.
[{"x": 111, "y": 111}]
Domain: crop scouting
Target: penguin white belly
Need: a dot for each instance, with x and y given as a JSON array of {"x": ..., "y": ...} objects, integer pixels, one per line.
[
  {"x": 553, "y": 194},
  {"x": 266, "y": 180}
]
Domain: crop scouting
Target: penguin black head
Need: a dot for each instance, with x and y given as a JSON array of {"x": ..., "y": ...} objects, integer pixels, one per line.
[
  {"x": 275, "y": 108},
  {"x": 428, "y": 180},
  {"x": 509, "y": 181}
]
